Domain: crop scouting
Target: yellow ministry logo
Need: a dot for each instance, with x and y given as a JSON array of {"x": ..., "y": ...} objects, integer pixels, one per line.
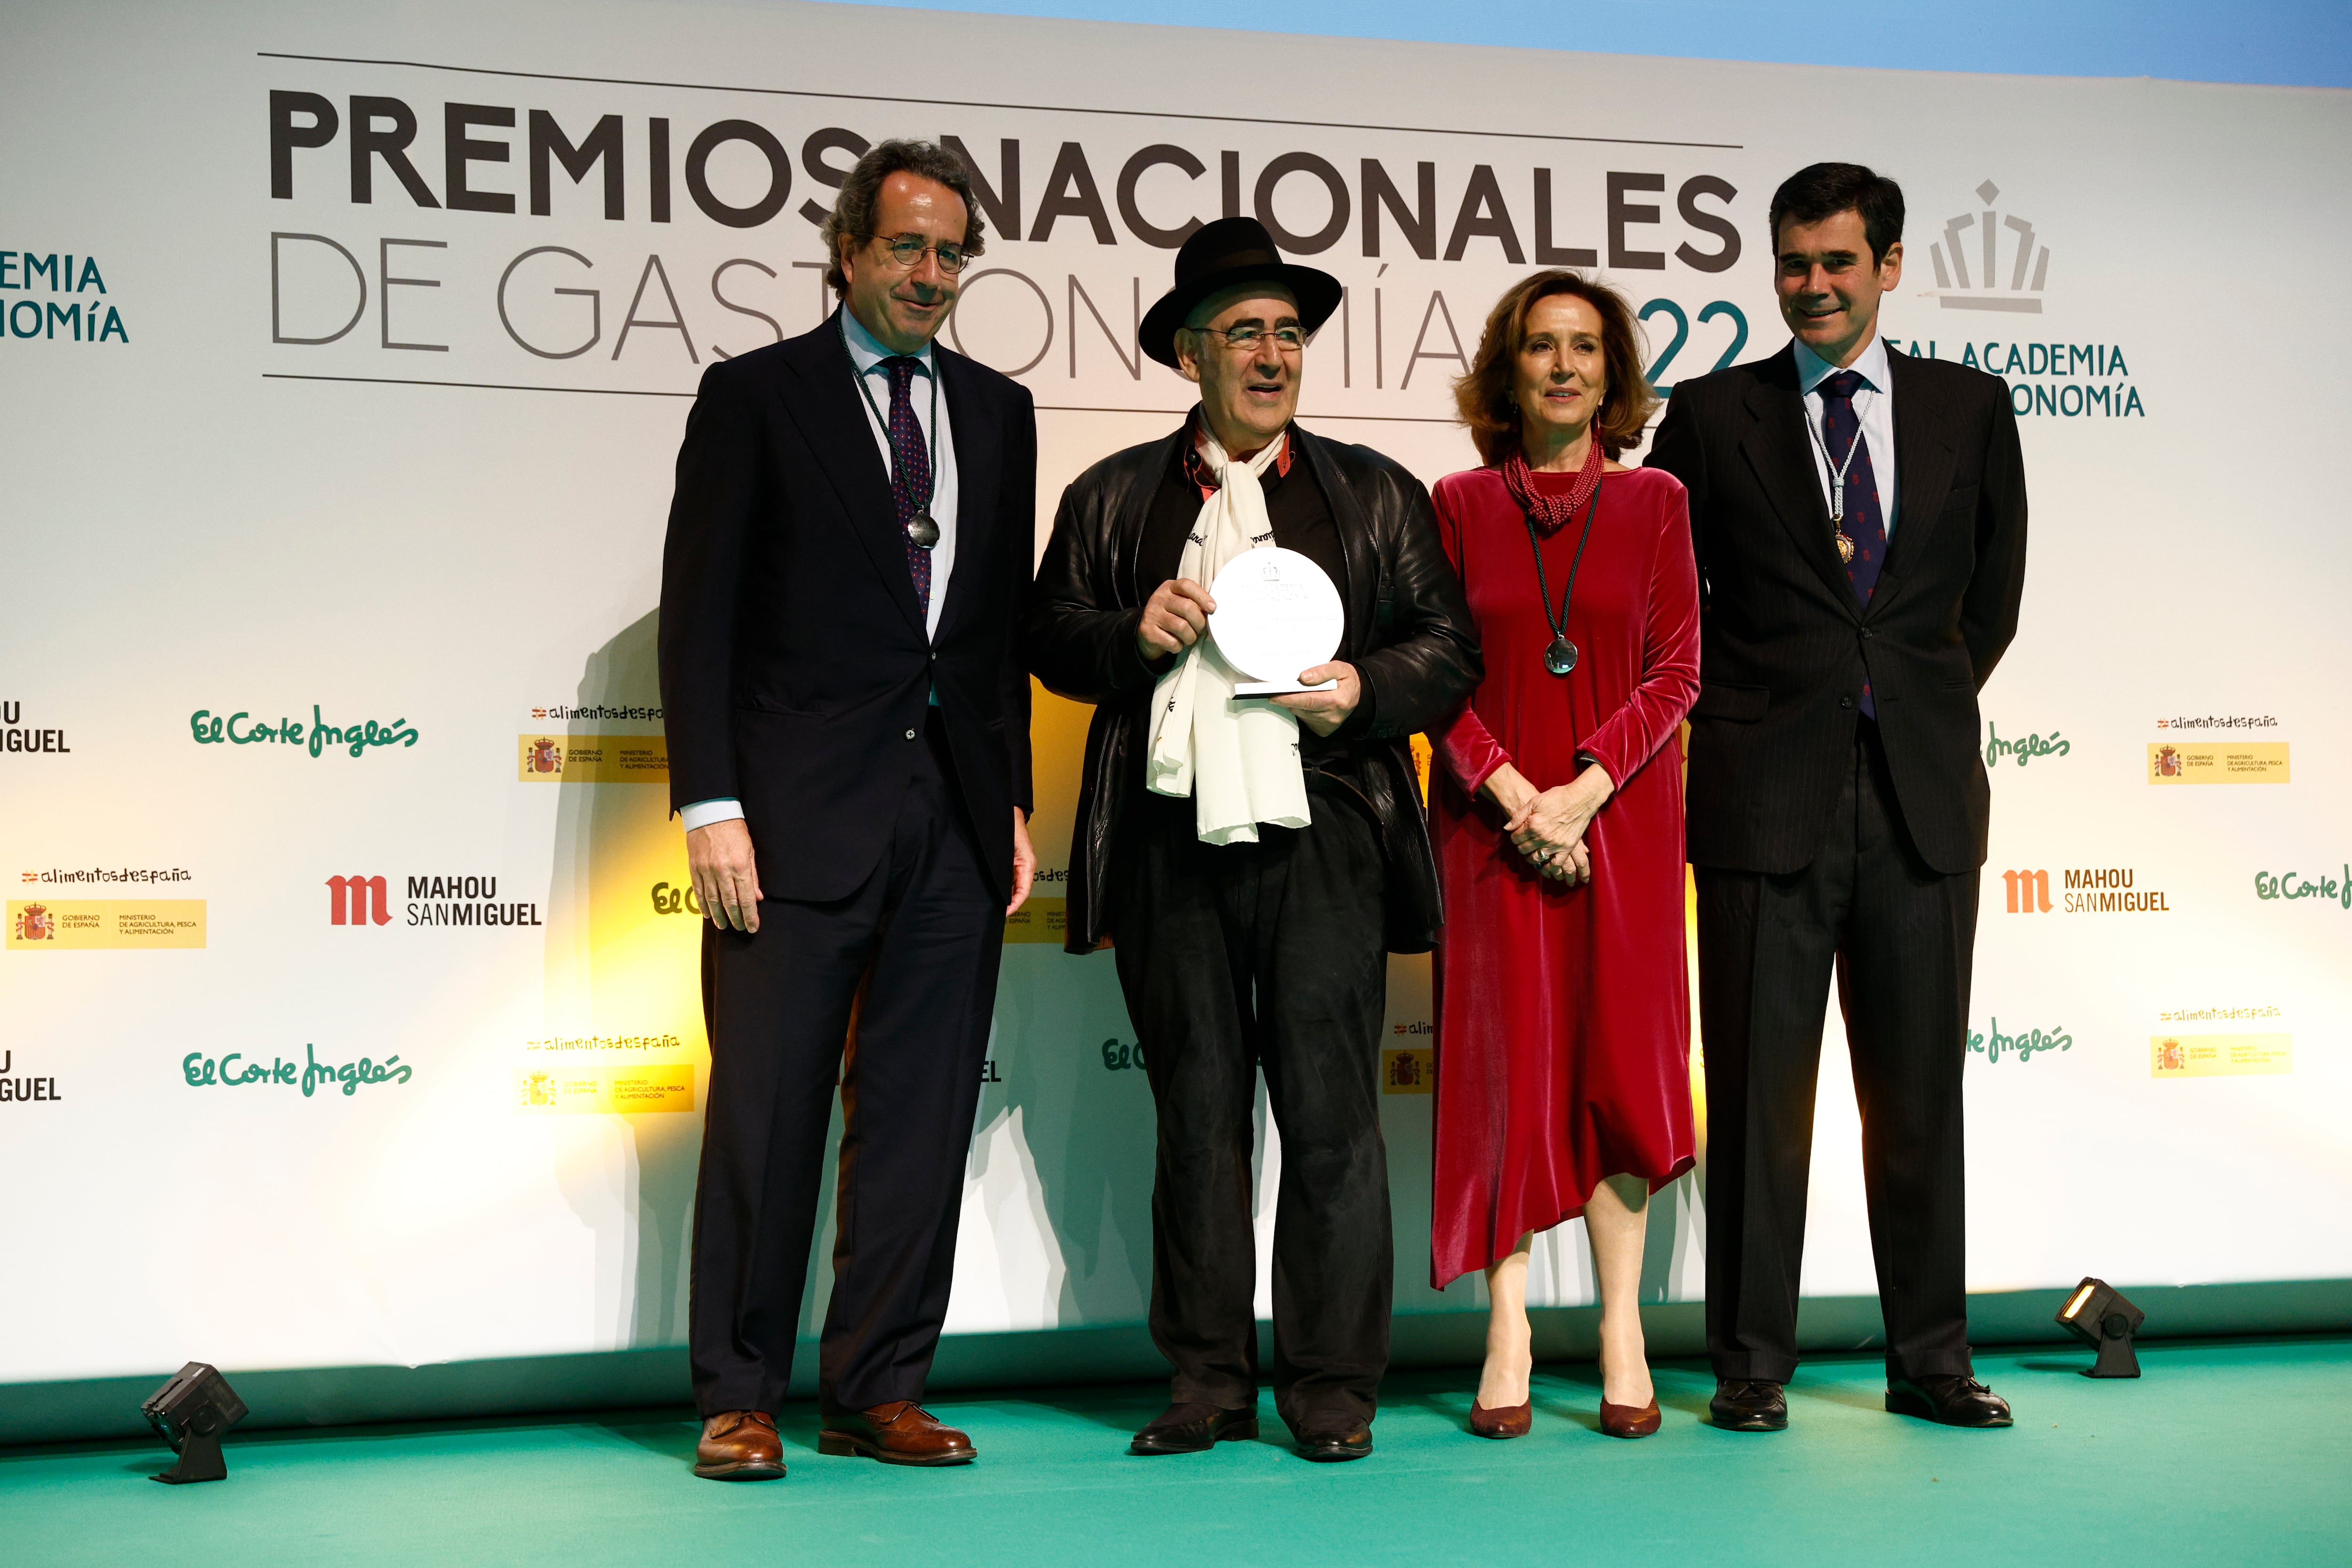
[
  {"x": 592, "y": 759},
  {"x": 77, "y": 924}
]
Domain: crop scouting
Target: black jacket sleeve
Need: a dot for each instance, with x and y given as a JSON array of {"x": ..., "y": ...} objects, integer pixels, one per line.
[
  {"x": 1989, "y": 609},
  {"x": 718, "y": 493},
  {"x": 1678, "y": 450},
  {"x": 1424, "y": 659},
  {"x": 1076, "y": 637},
  {"x": 1021, "y": 515}
]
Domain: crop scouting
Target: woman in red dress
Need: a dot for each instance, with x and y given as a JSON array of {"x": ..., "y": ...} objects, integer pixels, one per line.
[{"x": 1563, "y": 1007}]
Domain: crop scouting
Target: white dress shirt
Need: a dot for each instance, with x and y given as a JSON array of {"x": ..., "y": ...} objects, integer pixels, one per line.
[
  {"x": 1873, "y": 407},
  {"x": 867, "y": 353}
]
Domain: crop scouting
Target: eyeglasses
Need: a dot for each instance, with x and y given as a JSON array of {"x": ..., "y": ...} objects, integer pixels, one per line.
[
  {"x": 1289, "y": 340},
  {"x": 907, "y": 252}
]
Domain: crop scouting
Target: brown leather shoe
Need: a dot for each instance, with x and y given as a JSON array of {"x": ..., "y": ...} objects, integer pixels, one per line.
[
  {"x": 1510, "y": 1421},
  {"x": 899, "y": 1432},
  {"x": 740, "y": 1446},
  {"x": 1628, "y": 1421}
]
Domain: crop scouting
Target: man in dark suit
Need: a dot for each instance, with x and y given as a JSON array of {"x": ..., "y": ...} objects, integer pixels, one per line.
[
  {"x": 1859, "y": 521},
  {"x": 849, "y": 747}
]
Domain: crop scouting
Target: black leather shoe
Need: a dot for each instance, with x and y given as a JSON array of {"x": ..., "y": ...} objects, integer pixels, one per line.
[
  {"x": 1194, "y": 1428},
  {"x": 1749, "y": 1404},
  {"x": 1329, "y": 1447},
  {"x": 1952, "y": 1401}
]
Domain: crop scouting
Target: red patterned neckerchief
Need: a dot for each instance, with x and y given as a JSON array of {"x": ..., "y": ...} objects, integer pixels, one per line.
[
  {"x": 1551, "y": 512},
  {"x": 1196, "y": 467}
]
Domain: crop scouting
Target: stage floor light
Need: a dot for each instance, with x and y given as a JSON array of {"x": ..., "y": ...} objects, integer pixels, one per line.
[
  {"x": 2097, "y": 1314},
  {"x": 190, "y": 1412}
]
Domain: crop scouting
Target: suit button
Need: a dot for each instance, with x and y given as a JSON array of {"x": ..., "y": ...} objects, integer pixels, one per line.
[
  {"x": 1867, "y": 634},
  {"x": 910, "y": 734},
  {"x": 1843, "y": 702}
]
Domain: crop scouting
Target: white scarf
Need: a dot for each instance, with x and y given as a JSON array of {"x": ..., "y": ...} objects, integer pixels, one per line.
[{"x": 1238, "y": 760}]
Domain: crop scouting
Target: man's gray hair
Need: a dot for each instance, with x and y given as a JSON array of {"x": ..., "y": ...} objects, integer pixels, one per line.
[{"x": 853, "y": 211}]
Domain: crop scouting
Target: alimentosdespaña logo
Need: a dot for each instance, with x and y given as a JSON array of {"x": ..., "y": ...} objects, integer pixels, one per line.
[{"x": 53, "y": 922}]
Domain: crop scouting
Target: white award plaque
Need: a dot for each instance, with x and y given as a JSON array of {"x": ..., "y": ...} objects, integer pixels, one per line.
[{"x": 1277, "y": 614}]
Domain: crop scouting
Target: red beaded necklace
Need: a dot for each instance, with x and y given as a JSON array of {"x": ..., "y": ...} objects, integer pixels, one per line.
[{"x": 1552, "y": 512}]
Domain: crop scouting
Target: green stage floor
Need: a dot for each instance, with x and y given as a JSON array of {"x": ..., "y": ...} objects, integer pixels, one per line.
[{"x": 2234, "y": 1452}]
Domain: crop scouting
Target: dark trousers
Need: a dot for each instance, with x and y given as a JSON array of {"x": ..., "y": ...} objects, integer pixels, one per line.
[
  {"x": 1236, "y": 958},
  {"x": 1899, "y": 937},
  {"x": 922, "y": 938}
]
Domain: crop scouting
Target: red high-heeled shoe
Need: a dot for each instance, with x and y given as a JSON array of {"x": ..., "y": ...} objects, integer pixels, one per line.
[
  {"x": 1511, "y": 1421},
  {"x": 1625, "y": 1421}
]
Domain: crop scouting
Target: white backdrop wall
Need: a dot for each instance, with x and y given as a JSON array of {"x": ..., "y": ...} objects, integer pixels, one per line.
[{"x": 346, "y": 351}]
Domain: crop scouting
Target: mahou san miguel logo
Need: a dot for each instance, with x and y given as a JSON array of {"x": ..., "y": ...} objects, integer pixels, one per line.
[
  {"x": 14, "y": 737},
  {"x": 364, "y": 900},
  {"x": 2110, "y": 891},
  {"x": 18, "y": 1090}
]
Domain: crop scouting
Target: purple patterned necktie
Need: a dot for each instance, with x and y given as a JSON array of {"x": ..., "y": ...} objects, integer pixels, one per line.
[
  {"x": 1842, "y": 431},
  {"x": 911, "y": 471}
]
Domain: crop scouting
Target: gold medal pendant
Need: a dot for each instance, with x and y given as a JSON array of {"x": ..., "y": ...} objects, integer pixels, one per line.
[{"x": 1844, "y": 547}]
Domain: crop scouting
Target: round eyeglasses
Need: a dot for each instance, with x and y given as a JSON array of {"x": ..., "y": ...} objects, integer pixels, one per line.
[
  {"x": 1247, "y": 339},
  {"x": 906, "y": 253}
]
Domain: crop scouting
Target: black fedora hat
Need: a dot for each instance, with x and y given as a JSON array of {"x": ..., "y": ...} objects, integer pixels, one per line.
[{"x": 1219, "y": 255}]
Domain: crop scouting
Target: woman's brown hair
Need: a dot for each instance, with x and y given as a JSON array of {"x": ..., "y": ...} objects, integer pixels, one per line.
[{"x": 1482, "y": 395}]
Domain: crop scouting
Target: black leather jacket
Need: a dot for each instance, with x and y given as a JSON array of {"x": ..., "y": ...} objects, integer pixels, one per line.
[{"x": 1409, "y": 636}]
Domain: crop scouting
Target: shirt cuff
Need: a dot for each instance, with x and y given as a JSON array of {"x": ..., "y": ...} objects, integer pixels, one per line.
[{"x": 703, "y": 813}]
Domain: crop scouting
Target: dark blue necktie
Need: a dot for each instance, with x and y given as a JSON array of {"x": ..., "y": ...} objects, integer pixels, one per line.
[
  {"x": 1842, "y": 432},
  {"x": 910, "y": 471}
]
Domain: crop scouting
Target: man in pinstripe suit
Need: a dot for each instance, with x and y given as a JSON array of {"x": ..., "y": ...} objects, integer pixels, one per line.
[{"x": 1859, "y": 517}]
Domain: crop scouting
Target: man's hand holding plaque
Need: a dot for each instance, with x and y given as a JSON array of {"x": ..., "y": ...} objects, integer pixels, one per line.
[
  {"x": 1326, "y": 695},
  {"x": 1174, "y": 618}
]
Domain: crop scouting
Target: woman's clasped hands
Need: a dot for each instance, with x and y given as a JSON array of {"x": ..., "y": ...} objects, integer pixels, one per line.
[{"x": 1548, "y": 826}]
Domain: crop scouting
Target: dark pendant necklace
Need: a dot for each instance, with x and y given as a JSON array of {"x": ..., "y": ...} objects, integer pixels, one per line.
[{"x": 1560, "y": 656}]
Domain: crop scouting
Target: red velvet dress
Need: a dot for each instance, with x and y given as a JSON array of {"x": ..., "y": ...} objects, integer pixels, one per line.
[{"x": 1563, "y": 1015}]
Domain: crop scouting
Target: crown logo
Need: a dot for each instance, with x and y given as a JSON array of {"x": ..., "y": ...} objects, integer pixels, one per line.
[{"x": 1983, "y": 291}]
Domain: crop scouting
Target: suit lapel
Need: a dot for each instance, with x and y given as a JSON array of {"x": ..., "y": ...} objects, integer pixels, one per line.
[
  {"x": 1924, "y": 464},
  {"x": 830, "y": 411},
  {"x": 1779, "y": 453},
  {"x": 978, "y": 445}
]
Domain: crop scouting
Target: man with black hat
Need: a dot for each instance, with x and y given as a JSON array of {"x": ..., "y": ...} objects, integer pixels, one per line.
[{"x": 1254, "y": 875}]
